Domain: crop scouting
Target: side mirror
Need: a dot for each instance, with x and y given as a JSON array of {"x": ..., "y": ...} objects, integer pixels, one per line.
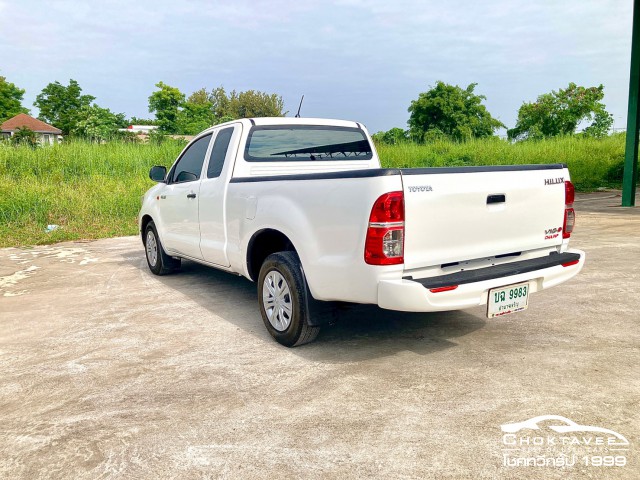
[{"x": 158, "y": 173}]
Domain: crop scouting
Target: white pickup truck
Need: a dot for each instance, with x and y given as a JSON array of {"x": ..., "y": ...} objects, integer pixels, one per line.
[{"x": 302, "y": 207}]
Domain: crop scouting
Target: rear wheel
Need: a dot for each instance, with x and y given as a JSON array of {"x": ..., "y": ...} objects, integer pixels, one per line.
[
  {"x": 159, "y": 262},
  {"x": 284, "y": 300}
]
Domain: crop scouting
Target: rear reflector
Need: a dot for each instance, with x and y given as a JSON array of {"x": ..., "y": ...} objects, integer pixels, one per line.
[
  {"x": 443, "y": 289},
  {"x": 573, "y": 262}
]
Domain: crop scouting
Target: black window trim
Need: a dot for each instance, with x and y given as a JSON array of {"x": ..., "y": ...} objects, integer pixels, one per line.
[
  {"x": 175, "y": 164},
  {"x": 249, "y": 158},
  {"x": 217, "y": 132}
]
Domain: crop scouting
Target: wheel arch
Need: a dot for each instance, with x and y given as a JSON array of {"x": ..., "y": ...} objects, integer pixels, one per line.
[
  {"x": 144, "y": 221},
  {"x": 262, "y": 244}
]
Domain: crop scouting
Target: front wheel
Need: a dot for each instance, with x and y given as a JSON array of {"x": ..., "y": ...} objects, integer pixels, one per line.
[
  {"x": 284, "y": 300},
  {"x": 159, "y": 262}
]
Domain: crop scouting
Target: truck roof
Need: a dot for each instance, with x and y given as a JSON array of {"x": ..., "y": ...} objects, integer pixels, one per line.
[{"x": 302, "y": 121}]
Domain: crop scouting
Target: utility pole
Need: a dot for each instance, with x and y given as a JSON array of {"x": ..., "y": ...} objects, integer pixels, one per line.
[{"x": 630, "y": 178}]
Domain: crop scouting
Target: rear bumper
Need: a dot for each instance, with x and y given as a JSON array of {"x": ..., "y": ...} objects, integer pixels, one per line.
[{"x": 474, "y": 285}]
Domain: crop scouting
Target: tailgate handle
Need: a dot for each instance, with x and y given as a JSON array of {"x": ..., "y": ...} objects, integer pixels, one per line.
[{"x": 496, "y": 199}]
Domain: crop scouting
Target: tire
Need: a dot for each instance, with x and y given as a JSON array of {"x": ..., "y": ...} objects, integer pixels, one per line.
[
  {"x": 159, "y": 262},
  {"x": 284, "y": 300}
]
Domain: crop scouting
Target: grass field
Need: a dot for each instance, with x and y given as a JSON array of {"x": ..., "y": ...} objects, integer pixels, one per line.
[
  {"x": 90, "y": 190},
  {"x": 593, "y": 163},
  {"x": 94, "y": 191}
]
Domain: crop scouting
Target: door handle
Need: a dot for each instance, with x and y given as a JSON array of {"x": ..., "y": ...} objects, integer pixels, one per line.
[
  {"x": 191, "y": 195},
  {"x": 500, "y": 198}
]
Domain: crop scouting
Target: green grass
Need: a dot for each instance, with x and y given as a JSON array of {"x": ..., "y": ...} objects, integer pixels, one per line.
[
  {"x": 94, "y": 191},
  {"x": 593, "y": 163},
  {"x": 90, "y": 190}
]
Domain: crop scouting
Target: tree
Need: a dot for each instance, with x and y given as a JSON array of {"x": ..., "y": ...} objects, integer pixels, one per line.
[
  {"x": 59, "y": 105},
  {"x": 97, "y": 124},
  {"x": 142, "y": 121},
  {"x": 10, "y": 100},
  {"x": 255, "y": 104},
  {"x": 196, "y": 114},
  {"x": 392, "y": 137},
  {"x": 166, "y": 103},
  {"x": 220, "y": 104},
  {"x": 200, "y": 97},
  {"x": 560, "y": 113},
  {"x": 201, "y": 110},
  {"x": 451, "y": 111},
  {"x": 24, "y": 136},
  {"x": 247, "y": 104}
]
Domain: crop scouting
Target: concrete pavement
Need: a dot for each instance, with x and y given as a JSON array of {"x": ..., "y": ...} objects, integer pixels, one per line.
[{"x": 110, "y": 372}]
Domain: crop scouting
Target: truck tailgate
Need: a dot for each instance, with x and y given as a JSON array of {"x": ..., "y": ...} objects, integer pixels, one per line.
[{"x": 466, "y": 213}]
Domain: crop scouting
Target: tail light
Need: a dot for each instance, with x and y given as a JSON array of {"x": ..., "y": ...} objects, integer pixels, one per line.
[
  {"x": 384, "y": 244},
  {"x": 569, "y": 212}
]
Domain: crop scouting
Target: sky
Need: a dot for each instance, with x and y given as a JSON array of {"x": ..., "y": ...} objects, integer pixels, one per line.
[{"x": 362, "y": 60}]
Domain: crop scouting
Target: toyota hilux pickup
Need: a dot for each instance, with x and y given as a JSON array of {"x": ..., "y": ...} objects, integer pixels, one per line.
[{"x": 302, "y": 207}]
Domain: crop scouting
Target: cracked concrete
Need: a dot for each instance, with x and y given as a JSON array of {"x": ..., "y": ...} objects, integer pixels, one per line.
[{"x": 110, "y": 372}]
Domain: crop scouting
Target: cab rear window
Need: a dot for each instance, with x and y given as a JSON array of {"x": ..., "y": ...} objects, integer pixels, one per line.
[{"x": 300, "y": 143}]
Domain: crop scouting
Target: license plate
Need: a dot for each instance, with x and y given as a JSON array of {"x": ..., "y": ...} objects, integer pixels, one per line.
[{"x": 506, "y": 300}]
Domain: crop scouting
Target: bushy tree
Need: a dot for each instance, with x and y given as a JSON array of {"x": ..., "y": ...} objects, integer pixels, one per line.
[
  {"x": 96, "y": 124},
  {"x": 200, "y": 97},
  {"x": 196, "y": 114},
  {"x": 452, "y": 112},
  {"x": 393, "y": 136},
  {"x": 560, "y": 112},
  {"x": 24, "y": 136},
  {"x": 10, "y": 100},
  {"x": 166, "y": 103},
  {"x": 201, "y": 110},
  {"x": 59, "y": 105},
  {"x": 142, "y": 121},
  {"x": 247, "y": 104}
]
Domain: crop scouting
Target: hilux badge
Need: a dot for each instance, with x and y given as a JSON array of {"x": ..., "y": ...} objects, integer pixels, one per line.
[{"x": 553, "y": 181}]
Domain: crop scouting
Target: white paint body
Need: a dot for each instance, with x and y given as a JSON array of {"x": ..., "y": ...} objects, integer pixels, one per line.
[{"x": 326, "y": 221}]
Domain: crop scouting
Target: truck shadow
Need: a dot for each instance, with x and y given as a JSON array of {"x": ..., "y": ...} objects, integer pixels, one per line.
[
  {"x": 360, "y": 332},
  {"x": 366, "y": 331}
]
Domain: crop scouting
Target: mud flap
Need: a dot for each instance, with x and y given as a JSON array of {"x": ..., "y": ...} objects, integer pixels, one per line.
[{"x": 319, "y": 313}]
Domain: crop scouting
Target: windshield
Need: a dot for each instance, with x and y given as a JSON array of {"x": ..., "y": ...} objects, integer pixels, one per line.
[{"x": 306, "y": 143}]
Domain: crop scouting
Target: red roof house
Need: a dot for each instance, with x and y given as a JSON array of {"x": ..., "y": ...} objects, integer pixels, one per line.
[{"x": 46, "y": 134}]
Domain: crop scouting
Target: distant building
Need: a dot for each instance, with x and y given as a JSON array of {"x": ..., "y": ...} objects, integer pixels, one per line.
[
  {"x": 143, "y": 131},
  {"x": 45, "y": 133},
  {"x": 140, "y": 129}
]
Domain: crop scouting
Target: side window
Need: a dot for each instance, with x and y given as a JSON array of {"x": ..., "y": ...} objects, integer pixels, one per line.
[
  {"x": 189, "y": 166},
  {"x": 219, "y": 152}
]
